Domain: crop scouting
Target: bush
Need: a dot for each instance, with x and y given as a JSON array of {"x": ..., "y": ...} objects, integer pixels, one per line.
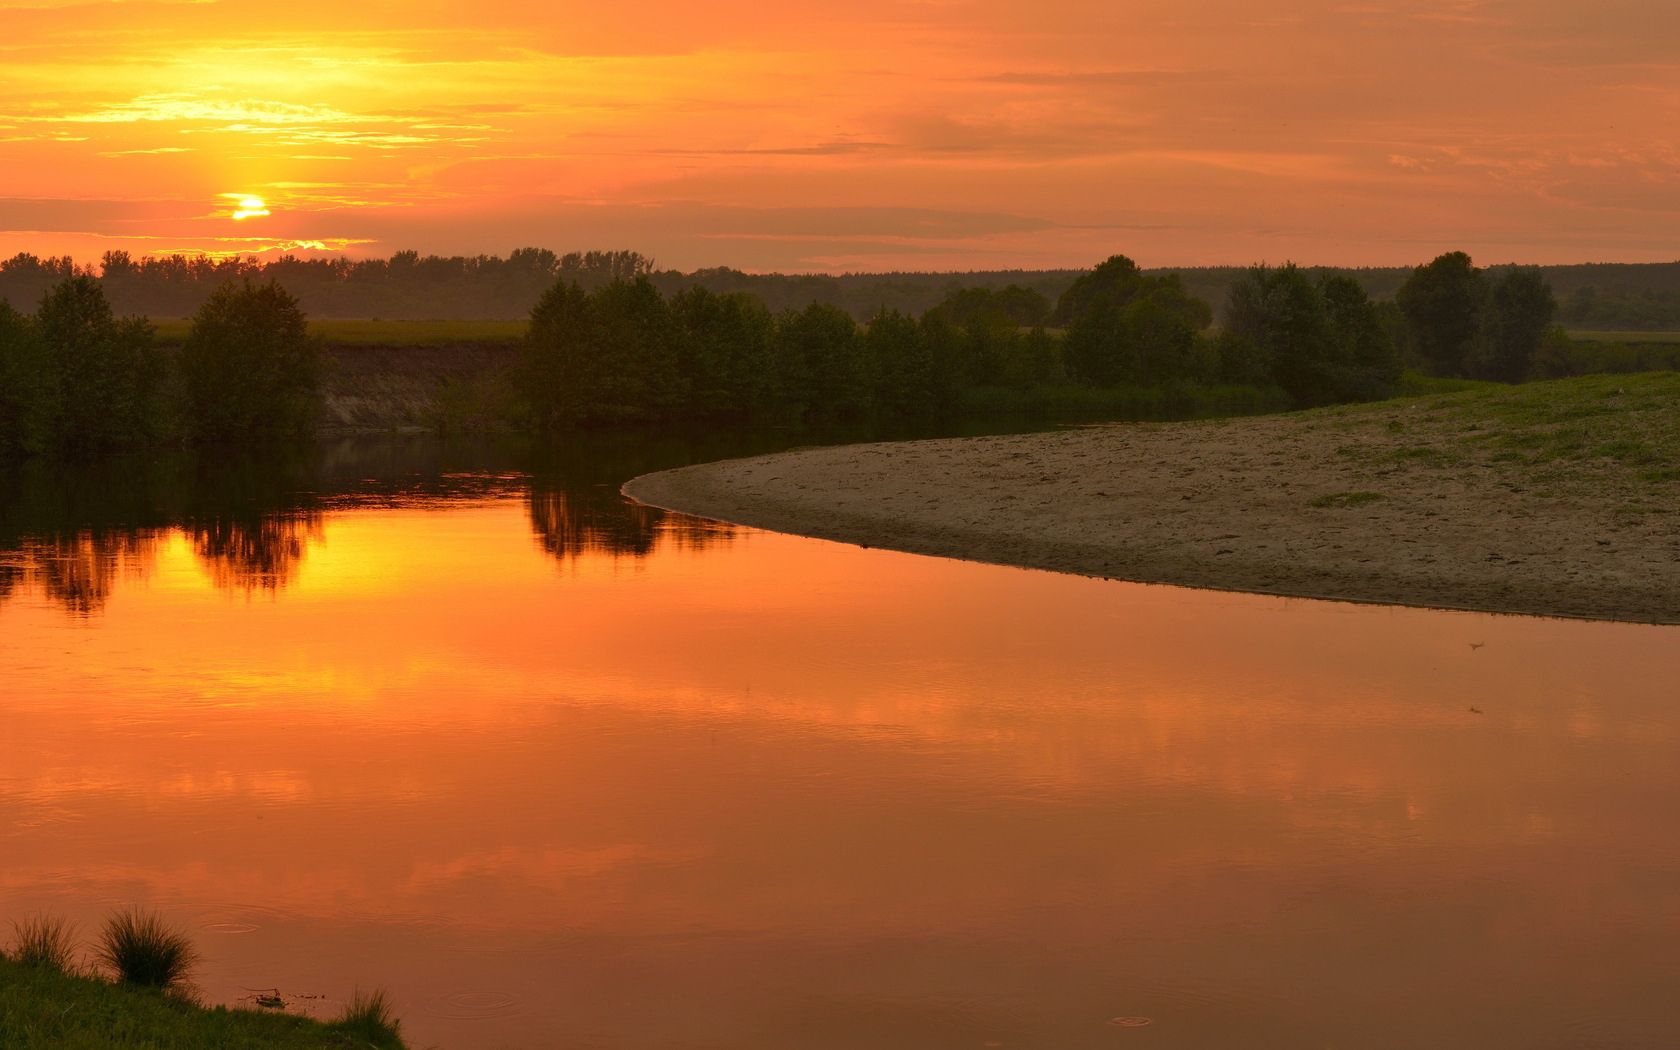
[
  {"x": 139, "y": 949},
  {"x": 42, "y": 942},
  {"x": 369, "y": 1020}
]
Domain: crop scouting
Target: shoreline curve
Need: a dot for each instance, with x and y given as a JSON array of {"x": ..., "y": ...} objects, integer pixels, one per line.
[{"x": 1270, "y": 505}]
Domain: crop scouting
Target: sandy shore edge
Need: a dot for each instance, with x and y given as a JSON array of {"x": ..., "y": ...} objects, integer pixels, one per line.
[{"x": 1259, "y": 506}]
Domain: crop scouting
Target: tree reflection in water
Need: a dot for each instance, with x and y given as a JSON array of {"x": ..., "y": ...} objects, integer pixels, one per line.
[{"x": 71, "y": 531}]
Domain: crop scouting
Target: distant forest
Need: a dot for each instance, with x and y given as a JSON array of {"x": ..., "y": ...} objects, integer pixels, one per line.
[{"x": 1598, "y": 296}]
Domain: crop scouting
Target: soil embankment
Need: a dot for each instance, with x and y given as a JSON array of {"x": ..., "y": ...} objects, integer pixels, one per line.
[
  {"x": 389, "y": 387},
  {"x": 1551, "y": 498}
]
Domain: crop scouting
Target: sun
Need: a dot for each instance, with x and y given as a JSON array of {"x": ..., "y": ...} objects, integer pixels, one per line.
[{"x": 249, "y": 207}]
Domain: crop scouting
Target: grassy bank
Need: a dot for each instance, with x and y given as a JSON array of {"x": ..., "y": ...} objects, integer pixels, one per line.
[{"x": 44, "y": 1009}]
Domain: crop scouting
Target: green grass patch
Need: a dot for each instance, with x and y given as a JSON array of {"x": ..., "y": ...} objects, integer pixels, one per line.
[
  {"x": 1071, "y": 401},
  {"x": 43, "y": 1009},
  {"x": 1346, "y": 499}
]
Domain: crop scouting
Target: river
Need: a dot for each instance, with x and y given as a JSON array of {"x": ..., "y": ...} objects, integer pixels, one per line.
[{"x": 559, "y": 771}]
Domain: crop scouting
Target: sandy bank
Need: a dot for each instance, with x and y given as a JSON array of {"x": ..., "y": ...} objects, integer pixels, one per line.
[{"x": 1527, "y": 500}]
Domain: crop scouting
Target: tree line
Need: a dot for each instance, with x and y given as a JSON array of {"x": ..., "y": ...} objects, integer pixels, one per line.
[
  {"x": 1633, "y": 296},
  {"x": 76, "y": 378}
]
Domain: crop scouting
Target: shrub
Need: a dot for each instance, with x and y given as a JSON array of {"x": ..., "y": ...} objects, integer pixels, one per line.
[
  {"x": 42, "y": 942},
  {"x": 139, "y": 949},
  {"x": 369, "y": 1019}
]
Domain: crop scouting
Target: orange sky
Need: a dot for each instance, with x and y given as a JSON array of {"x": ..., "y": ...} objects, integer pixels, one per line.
[{"x": 876, "y": 134}]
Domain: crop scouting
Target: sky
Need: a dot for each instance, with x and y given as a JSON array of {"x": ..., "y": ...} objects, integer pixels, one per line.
[{"x": 870, "y": 135}]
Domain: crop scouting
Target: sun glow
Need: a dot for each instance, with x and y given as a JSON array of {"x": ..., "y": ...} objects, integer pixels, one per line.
[{"x": 249, "y": 207}]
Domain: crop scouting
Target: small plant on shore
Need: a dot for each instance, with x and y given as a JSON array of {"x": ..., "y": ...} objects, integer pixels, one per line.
[
  {"x": 42, "y": 942},
  {"x": 140, "y": 949},
  {"x": 369, "y": 1019}
]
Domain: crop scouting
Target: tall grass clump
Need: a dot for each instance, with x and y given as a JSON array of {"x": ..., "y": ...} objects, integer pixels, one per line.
[
  {"x": 42, "y": 942},
  {"x": 369, "y": 1019},
  {"x": 139, "y": 949}
]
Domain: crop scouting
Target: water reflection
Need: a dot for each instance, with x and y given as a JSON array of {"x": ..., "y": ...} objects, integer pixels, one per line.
[
  {"x": 794, "y": 794},
  {"x": 73, "y": 533}
]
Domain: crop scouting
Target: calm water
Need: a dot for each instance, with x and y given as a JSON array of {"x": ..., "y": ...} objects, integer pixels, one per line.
[{"x": 560, "y": 772}]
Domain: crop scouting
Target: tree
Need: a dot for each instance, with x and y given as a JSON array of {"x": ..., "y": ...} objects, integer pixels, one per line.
[
  {"x": 908, "y": 377},
  {"x": 1442, "y": 302},
  {"x": 102, "y": 375},
  {"x": 20, "y": 384},
  {"x": 819, "y": 368},
  {"x": 602, "y": 356},
  {"x": 725, "y": 353},
  {"x": 1124, "y": 327},
  {"x": 249, "y": 368},
  {"x": 1281, "y": 315},
  {"x": 1366, "y": 363},
  {"x": 1514, "y": 323}
]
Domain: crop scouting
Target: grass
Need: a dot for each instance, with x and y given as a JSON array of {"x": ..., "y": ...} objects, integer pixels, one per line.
[
  {"x": 1071, "y": 401},
  {"x": 42, "y": 943},
  {"x": 44, "y": 1009},
  {"x": 46, "y": 1002},
  {"x": 1612, "y": 429},
  {"x": 350, "y": 332},
  {"x": 369, "y": 1020},
  {"x": 139, "y": 949},
  {"x": 1626, "y": 337}
]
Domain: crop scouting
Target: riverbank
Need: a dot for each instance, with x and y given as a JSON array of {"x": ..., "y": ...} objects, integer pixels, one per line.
[
  {"x": 44, "y": 1009},
  {"x": 1555, "y": 498}
]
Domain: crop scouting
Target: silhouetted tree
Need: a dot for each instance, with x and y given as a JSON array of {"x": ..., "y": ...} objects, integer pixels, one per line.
[
  {"x": 1366, "y": 363},
  {"x": 21, "y": 369},
  {"x": 1442, "y": 303},
  {"x": 1513, "y": 325},
  {"x": 819, "y": 367},
  {"x": 1124, "y": 327},
  {"x": 102, "y": 376},
  {"x": 726, "y": 355},
  {"x": 249, "y": 367}
]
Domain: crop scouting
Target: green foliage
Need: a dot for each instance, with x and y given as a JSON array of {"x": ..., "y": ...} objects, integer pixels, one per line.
[
  {"x": 1366, "y": 361},
  {"x": 725, "y": 352},
  {"x": 820, "y": 370},
  {"x": 42, "y": 942},
  {"x": 249, "y": 368},
  {"x": 21, "y": 372},
  {"x": 1321, "y": 341},
  {"x": 1460, "y": 321},
  {"x": 1127, "y": 328},
  {"x": 1514, "y": 325},
  {"x": 370, "y": 1021},
  {"x": 610, "y": 355},
  {"x": 138, "y": 948},
  {"x": 1442, "y": 301},
  {"x": 101, "y": 377}
]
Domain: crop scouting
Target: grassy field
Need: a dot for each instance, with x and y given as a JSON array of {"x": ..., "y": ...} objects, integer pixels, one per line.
[
  {"x": 1594, "y": 433},
  {"x": 43, "y": 1009},
  {"x": 383, "y": 333}
]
